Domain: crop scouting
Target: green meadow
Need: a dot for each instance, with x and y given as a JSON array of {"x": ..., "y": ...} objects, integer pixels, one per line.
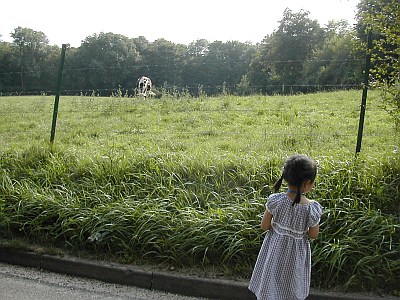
[{"x": 182, "y": 181}]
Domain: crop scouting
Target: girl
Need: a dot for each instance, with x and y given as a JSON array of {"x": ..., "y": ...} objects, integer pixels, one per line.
[{"x": 283, "y": 267}]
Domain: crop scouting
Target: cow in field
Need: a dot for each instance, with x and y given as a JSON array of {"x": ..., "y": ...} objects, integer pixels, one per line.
[{"x": 143, "y": 87}]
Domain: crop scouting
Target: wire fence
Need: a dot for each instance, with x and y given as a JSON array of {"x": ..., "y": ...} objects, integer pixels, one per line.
[
  {"x": 148, "y": 66},
  {"x": 127, "y": 86},
  {"x": 116, "y": 108},
  {"x": 271, "y": 123}
]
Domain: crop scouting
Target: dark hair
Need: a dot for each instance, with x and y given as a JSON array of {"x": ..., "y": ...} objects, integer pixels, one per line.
[{"x": 297, "y": 169}]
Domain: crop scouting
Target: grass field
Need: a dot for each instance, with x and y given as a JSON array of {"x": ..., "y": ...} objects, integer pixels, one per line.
[
  {"x": 183, "y": 181},
  {"x": 319, "y": 124}
]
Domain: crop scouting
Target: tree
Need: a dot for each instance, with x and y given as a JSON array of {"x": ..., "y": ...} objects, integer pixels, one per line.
[
  {"x": 105, "y": 62},
  {"x": 382, "y": 19},
  {"x": 296, "y": 38},
  {"x": 8, "y": 66},
  {"x": 141, "y": 43},
  {"x": 224, "y": 65},
  {"x": 31, "y": 49},
  {"x": 335, "y": 64},
  {"x": 198, "y": 48},
  {"x": 163, "y": 62},
  {"x": 281, "y": 56},
  {"x": 194, "y": 70},
  {"x": 49, "y": 74},
  {"x": 259, "y": 75}
]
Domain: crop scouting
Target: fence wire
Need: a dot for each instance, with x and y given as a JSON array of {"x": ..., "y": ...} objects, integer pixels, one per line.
[
  {"x": 181, "y": 87},
  {"x": 133, "y": 122}
]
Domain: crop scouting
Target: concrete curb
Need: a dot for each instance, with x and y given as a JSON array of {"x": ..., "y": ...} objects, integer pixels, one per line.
[{"x": 163, "y": 281}]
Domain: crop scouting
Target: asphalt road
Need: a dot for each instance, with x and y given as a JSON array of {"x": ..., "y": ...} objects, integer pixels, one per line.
[{"x": 21, "y": 283}]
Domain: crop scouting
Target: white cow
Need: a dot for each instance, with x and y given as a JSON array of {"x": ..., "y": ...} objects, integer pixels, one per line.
[{"x": 143, "y": 87}]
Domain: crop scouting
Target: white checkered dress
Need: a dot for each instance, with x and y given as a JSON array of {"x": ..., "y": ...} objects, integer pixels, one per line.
[{"x": 283, "y": 267}]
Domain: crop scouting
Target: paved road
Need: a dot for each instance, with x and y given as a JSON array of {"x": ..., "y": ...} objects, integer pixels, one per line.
[{"x": 20, "y": 283}]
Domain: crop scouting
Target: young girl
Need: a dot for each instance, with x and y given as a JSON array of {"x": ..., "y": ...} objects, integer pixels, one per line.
[{"x": 283, "y": 267}]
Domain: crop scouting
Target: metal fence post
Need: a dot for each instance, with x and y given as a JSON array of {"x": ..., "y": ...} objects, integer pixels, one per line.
[
  {"x": 58, "y": 89},
  {"x": 365, "y": 90}
]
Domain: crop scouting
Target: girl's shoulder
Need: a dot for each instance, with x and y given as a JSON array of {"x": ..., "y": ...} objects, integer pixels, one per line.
[
  {"x": 315, "y": 213},
  {"x": 315, "y": 207},
  {"x": 314, "y": 202},
  {"x": 274, "y": 200},
  {"x": 277, "y": 197}
]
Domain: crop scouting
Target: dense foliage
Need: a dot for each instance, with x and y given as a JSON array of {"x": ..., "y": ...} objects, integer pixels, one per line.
[
  {"x": 382, "y": 19},
  {"x": 300, "y": 56}
]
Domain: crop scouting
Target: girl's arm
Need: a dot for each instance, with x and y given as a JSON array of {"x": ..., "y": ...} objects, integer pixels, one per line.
[
  {"x": 266, "y": 222},
  {"x": 313, "y": 232}
]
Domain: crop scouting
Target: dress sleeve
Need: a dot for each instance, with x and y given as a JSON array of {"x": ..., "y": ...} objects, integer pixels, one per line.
[
  {"x": 272, "y": 203},
  {"x": 315, "y": 214}
]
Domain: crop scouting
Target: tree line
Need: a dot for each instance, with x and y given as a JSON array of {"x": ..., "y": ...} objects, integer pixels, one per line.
[{"x": 299, "y": 56}]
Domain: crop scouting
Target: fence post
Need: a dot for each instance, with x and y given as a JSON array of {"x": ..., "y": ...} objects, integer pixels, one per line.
[
  {"x": 365, "y": 90},
  {"x": 58, "y": 89}
]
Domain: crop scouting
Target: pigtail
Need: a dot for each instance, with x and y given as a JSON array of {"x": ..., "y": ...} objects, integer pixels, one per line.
[
  {"x": 298, "y": 196},
  {"x": 278, "y": 184}
]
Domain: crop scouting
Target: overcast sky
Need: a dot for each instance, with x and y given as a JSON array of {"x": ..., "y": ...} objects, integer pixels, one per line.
[{"x": 178, "y": 21}]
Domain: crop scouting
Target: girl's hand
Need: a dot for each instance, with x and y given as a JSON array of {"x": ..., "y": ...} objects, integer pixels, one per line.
[
  {"x": 266, "y": 222},
  {"x": 313, "y": 232}
]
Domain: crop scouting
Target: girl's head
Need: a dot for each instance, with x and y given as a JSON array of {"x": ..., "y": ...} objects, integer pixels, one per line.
[{"x": 298, "y": 170}]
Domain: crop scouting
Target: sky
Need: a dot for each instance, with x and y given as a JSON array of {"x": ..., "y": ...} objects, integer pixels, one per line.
[{"x": 178, "y": 21}]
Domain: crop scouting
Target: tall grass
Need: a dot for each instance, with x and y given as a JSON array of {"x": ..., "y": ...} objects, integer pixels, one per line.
[{"x": 185, "y": 181}]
